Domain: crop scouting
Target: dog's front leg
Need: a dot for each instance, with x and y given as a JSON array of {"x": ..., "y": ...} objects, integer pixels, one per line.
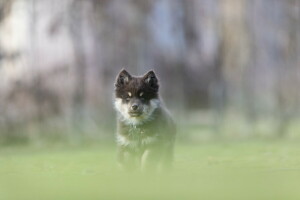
[
  {"x": 126, "y": 159},
  {"x": 150, "y": 159}
]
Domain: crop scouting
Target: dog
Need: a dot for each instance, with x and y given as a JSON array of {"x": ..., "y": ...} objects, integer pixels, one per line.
[{"x": 145, "y": 130}]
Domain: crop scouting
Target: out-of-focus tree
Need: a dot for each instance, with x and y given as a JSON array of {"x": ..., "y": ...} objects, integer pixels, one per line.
[
  {"x": 59, "y": 59},
  {"x": 287, "y": 88}
]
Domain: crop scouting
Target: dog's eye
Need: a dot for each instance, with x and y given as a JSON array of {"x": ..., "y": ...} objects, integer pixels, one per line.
[{"x": 127, "y": 99}]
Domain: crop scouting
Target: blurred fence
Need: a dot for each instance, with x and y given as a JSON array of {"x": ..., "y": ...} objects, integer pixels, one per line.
[{"x": 59, "y": 59}]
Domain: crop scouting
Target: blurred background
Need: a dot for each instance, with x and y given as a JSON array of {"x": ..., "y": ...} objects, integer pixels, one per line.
[{"x": 227, "y": 68}]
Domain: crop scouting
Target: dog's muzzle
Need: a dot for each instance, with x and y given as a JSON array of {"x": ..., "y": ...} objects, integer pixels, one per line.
[{"x": 135, "y": 113}]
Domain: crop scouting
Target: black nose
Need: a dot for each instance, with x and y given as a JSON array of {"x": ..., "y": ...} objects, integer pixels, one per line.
[{"x": 134, "y": 107}]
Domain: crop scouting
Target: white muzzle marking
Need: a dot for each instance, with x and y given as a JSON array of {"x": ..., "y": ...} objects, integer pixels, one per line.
[{"x": 147, "y": 112}]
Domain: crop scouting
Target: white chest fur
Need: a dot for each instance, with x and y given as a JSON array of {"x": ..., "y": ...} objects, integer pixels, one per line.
[{"x": 135, "y": 138}]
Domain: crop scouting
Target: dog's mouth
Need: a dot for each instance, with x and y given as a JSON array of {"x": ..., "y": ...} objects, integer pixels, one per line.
[{"x": 135, "y": 114}]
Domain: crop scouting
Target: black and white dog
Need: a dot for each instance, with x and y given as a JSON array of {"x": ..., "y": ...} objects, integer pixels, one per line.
[{"x": 145, "y": 130}]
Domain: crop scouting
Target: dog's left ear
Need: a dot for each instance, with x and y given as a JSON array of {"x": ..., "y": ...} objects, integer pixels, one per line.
[{"x": 151, "y": 79}]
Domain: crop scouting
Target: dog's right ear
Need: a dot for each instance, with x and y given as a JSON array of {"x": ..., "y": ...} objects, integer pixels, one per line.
[{"x": 123, "y": 78}]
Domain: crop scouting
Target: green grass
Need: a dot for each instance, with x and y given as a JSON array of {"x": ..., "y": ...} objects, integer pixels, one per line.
[{"x": 251, "y": 170}]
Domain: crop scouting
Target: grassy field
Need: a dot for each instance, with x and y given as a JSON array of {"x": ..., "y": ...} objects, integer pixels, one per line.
[{"x": 217, "y": 170}]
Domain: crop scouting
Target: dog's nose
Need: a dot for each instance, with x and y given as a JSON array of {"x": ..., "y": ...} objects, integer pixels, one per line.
[{"x": 134, "y": 107}]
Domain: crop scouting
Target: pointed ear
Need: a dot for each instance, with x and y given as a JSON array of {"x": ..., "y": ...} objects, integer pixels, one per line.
[
  {"x": 123, "y": 78},
  {"x": 151, "y": 79}
]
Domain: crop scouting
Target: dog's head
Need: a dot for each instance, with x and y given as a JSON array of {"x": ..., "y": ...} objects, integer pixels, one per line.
[{"x": 136, "y": 97}]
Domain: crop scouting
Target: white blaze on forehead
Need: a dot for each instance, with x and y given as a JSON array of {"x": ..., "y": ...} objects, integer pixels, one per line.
[
  {"x": 129, "y": 94},
  {"x": 141, "y": 94}
]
